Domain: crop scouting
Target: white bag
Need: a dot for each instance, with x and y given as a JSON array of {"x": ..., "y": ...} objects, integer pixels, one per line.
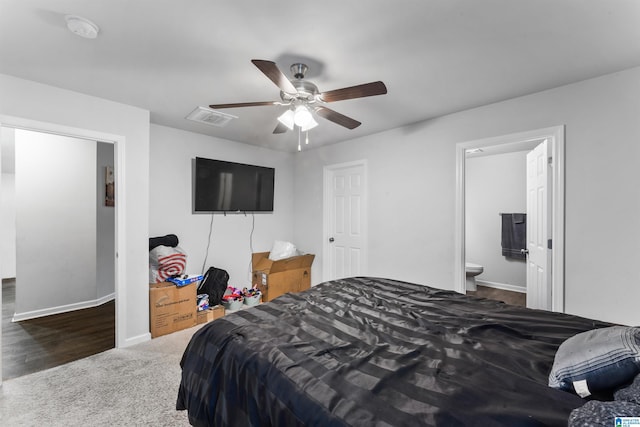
[
  {"x": 166, "y": 261},
  {"x": 282, "y": 250}
]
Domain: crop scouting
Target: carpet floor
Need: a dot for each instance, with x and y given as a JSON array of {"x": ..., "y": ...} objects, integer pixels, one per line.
[{"x": 133, "y": 386}]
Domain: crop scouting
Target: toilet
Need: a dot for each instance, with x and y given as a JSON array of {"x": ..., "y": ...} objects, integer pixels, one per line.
[{"x": 471, "y": 271}]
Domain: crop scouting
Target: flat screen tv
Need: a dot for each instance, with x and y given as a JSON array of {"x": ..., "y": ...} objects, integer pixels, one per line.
[{"x": 222, "y": 186}]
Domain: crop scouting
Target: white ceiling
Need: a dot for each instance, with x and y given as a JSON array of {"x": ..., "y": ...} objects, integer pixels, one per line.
[{"x": 435, "y": 56}]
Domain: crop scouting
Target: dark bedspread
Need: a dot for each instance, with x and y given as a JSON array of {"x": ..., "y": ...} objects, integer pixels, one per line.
[{"x": 368, "y": 352}]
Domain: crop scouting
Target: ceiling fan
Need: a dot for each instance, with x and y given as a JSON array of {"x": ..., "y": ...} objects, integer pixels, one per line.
[{"x": 304, "y": 98}]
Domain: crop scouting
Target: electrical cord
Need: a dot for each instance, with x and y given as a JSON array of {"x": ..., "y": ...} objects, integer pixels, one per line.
[
  {"x": 206, "y": 255},
  {"x": 253, "y": 227}
]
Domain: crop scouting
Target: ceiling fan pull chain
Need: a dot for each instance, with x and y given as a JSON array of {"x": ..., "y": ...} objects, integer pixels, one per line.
[
  {"x": 306, "y": 141},
  {"x": 299, "y": 135}
]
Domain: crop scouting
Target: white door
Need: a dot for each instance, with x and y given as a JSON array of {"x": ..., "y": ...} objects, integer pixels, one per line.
[
  {"x": 345, "y": 201},
  {"x": 538, "y": 229}
]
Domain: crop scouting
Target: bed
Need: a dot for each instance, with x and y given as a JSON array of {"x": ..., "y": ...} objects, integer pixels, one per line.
[{"x": 378, "y": 352}]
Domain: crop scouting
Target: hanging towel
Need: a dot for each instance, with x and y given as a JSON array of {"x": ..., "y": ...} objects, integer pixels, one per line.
[{"x": 514, "y": 235}]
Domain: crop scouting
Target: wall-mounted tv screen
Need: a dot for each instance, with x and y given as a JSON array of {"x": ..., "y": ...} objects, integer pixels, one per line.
[{"x": 222, "y": 186}]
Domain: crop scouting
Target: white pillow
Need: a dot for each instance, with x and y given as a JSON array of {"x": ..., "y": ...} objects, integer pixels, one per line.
[{"x": 282, "y": 250}]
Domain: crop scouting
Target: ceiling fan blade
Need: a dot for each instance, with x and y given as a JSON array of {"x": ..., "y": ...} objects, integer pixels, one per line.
[
  {"x": 360, "y": 91},
  {"x": 280, "y": 128},
  {"x": 243, "y": 104},
  {"x": 338, "y": 118},
  {"x": 271, "y": 70}
]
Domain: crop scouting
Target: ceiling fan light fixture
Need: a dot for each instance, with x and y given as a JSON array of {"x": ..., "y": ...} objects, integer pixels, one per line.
[
  {"x": 287, "y": 119},
  {"x": 302, "y": 97},
  {"x": 312, "y": 123},
  {"x": 302, "y": 116}
]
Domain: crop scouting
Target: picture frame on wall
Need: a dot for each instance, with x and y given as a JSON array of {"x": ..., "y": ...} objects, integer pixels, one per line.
[{"x": 110, "y": 189}]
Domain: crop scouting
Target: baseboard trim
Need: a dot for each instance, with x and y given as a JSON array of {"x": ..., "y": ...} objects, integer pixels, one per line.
[
  {"x": 17, "y": 317},
  {"x": 502, "y": 286},
  {"x": 136, "y": 340}
]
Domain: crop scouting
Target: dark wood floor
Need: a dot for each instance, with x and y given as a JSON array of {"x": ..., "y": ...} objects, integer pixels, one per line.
[
  {"x": 509, "y": 297},
  {"x": 37, "y": 344}
]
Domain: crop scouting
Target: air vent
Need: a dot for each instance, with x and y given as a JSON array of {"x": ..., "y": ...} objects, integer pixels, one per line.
[{"x": 210, "y": 117}]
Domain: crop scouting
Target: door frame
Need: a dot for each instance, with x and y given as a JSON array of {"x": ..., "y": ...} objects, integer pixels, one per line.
[
  {"x": 328, "y": 172},
  {"x": 120, "y": 203},
  {"x": 555, "y": 135}
]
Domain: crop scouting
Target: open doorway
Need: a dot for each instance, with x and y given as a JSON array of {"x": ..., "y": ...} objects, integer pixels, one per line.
[
  {"x": 512, "y": 143},
  {"x": 59, "y": 295},
  {"x": 495, "y": 196}
]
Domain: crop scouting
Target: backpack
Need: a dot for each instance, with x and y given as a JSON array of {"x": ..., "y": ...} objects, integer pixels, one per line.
[{"x": 214, "y": 283}]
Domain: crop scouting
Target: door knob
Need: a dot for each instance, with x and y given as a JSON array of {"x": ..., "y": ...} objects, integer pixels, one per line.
[
  {"x": 524, "y": 251},
  {"x": 331, "y": 239}
]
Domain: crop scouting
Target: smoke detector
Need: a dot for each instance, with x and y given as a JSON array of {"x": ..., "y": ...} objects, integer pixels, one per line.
[
  {"x": 210, "y": 117},
  {"x": 81, "y": 26}
]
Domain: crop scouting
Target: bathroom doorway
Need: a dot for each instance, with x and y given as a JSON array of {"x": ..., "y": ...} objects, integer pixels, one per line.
[
  {"x": 495, "y": 192},
  {"x": 510, "y": 144}
]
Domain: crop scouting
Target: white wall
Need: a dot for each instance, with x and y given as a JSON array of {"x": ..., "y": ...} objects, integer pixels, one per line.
[
  {"x": 26, "y": 100},
  {"x": 171, "y": 154},
  {"x": 105, "y": 227},
  {"x": 494, "y": 184},
  {"x": 412, "y": 190},
  {"x": 55, "y": 221},
  {"x": 8, "y": 226},
  {"x": 7, "y": 202},
  {"x": 410, "y": 222}
]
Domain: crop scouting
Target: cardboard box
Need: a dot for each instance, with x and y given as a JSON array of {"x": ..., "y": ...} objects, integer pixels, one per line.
[
  {"x": 275, "y": 278},
  {"x": 212, "y": 313},
  {"x": 171, "y": 308}
]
